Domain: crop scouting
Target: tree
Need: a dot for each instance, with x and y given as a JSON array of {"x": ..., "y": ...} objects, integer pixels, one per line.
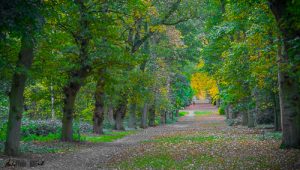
[
  {"x": 22, "y": 23},
  {"x": 287, "y": 17}
]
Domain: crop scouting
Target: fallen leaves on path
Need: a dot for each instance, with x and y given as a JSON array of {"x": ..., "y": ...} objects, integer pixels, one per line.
[{"x": 207, "y": 143}]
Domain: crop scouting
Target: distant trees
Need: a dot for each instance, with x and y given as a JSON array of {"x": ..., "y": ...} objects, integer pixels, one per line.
[{"x": 253, "y": 60}]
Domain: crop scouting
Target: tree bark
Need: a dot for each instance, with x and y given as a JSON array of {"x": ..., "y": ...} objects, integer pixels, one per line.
[
  {"x": 78, "y": 76},
  {"x": 250, "y": 118},
  {"x": 151, "y": 116},
  {"x": 16, "y": 98},
  {"x": 99, "y": 106},
  {"x": 163, "y": 118},
  {"x": 110, "y": 114},
  {"x": 144, "y": 116},
  {"x": 52, "y": 101},
  {"x": 70, "y": 93},
  {"x": 119, "y": 114},
  {"x": 289, "y": 92},
  {"x": 132, "y": 116},
  {"x": 227, "y": 112},
  {"x": 119, "y": 117},
  {"x": 276, "y": 110},
  {"x": 177, "y": 113},
  {"x": 244, "y": 118}
]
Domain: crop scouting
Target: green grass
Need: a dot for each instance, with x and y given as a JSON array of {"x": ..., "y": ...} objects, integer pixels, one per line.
[
  {"x": 183, "y": 113},
  {"x": 108, "y": 137},
  {"x": 28, "y": 144},
  {"x": 166, "y": 161},
  {"x": 201, "y": 113}
]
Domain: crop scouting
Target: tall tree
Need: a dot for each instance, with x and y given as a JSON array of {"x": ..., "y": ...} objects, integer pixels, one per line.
[
  {"x": 23, "y": 19},
  {"x": 77, "y": 76},
  {"x": 288, "y": 19}
]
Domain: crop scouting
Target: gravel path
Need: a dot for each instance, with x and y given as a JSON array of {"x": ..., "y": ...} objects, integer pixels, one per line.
[{"x": 96, "y": 156}]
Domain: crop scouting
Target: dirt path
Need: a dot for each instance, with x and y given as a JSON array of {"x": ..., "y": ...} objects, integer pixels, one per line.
[{"x": 228, "y": 146}]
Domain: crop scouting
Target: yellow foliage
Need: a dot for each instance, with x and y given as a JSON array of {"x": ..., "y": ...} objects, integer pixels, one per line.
[
  {"x": 205, "y": 86},
  {"x": 158, "y": 28},
  {"x": 200, "y": 64}
]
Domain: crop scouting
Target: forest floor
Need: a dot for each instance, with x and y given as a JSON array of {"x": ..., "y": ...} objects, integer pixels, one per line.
[{"x": 199, "y": 140}]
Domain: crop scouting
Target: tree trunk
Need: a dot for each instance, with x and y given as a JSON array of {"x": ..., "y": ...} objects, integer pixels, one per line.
[
  {"x": 119, "y": 117},
  {"x": 77, "y": 77},
  {"x": 163, "y": 118},
  {"x": 16, "y": 98},
  {"x": 70, "y": 93},
  {"x": 288, "y": 54},
  {"x": 151, "y": 116},
  {"x": 144, "y": 116},
  {"x": 99, "y": 106},
  {"x": 227, "y": 112},
  {"x": 110, "y": 114},
  {"x": 119, "y": 114},
  {"x": 276, "y": 111},
  {"x": 177, "y": 113},
  {"x": 132, "y": 116},
  {"x": 244, "y": 118},
  {"x": 52, "y": 101},
  {"x": 250, "y": 118}
]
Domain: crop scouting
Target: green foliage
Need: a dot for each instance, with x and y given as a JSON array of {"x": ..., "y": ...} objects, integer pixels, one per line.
[
  {"x": 3, "y": 129},
  {"x": 181, "y": 113},
  {"x": 202, "y": 113},
  {"x": 39, "y": 127},
  {"x": 221, "y": 110},
  {"x": 48, "y": 138}
]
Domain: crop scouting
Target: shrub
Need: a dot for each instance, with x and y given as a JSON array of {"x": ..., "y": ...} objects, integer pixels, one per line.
[
  {"x": 40, "y": 127},
  {"x": 222, "y": 110}
]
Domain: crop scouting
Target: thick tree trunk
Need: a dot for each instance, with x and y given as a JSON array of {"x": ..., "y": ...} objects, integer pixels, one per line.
[
  {"x": 99, "y": 106},
  {"x": 163, "y": 118},
  {"x": 290, "y": 116},
  {"x": 289, "y": 92},
  {"x": 119, "y": 122},
  {"x": 119, "y": 114},
  {"x": 177, "y": 113},
  {"x": 244, "y": 118},
  {"x": 110, "y": 114},
  {"x": 251, "y": 121},
  {"x": 151, "y": 122},
  {"x": 77, "y": 79},
  {"x": 132, "y": 116},
  {"x": 276, "y": 111},
  {"x": 119, "y": 117},
  {"x": 16, "y": 98},
  {"x": 70, "y": 93},
  {"x": 144, "y": 116}
]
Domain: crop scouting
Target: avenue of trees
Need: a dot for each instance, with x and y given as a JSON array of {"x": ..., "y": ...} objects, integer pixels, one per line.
[{"x": 115, "y": 62}]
